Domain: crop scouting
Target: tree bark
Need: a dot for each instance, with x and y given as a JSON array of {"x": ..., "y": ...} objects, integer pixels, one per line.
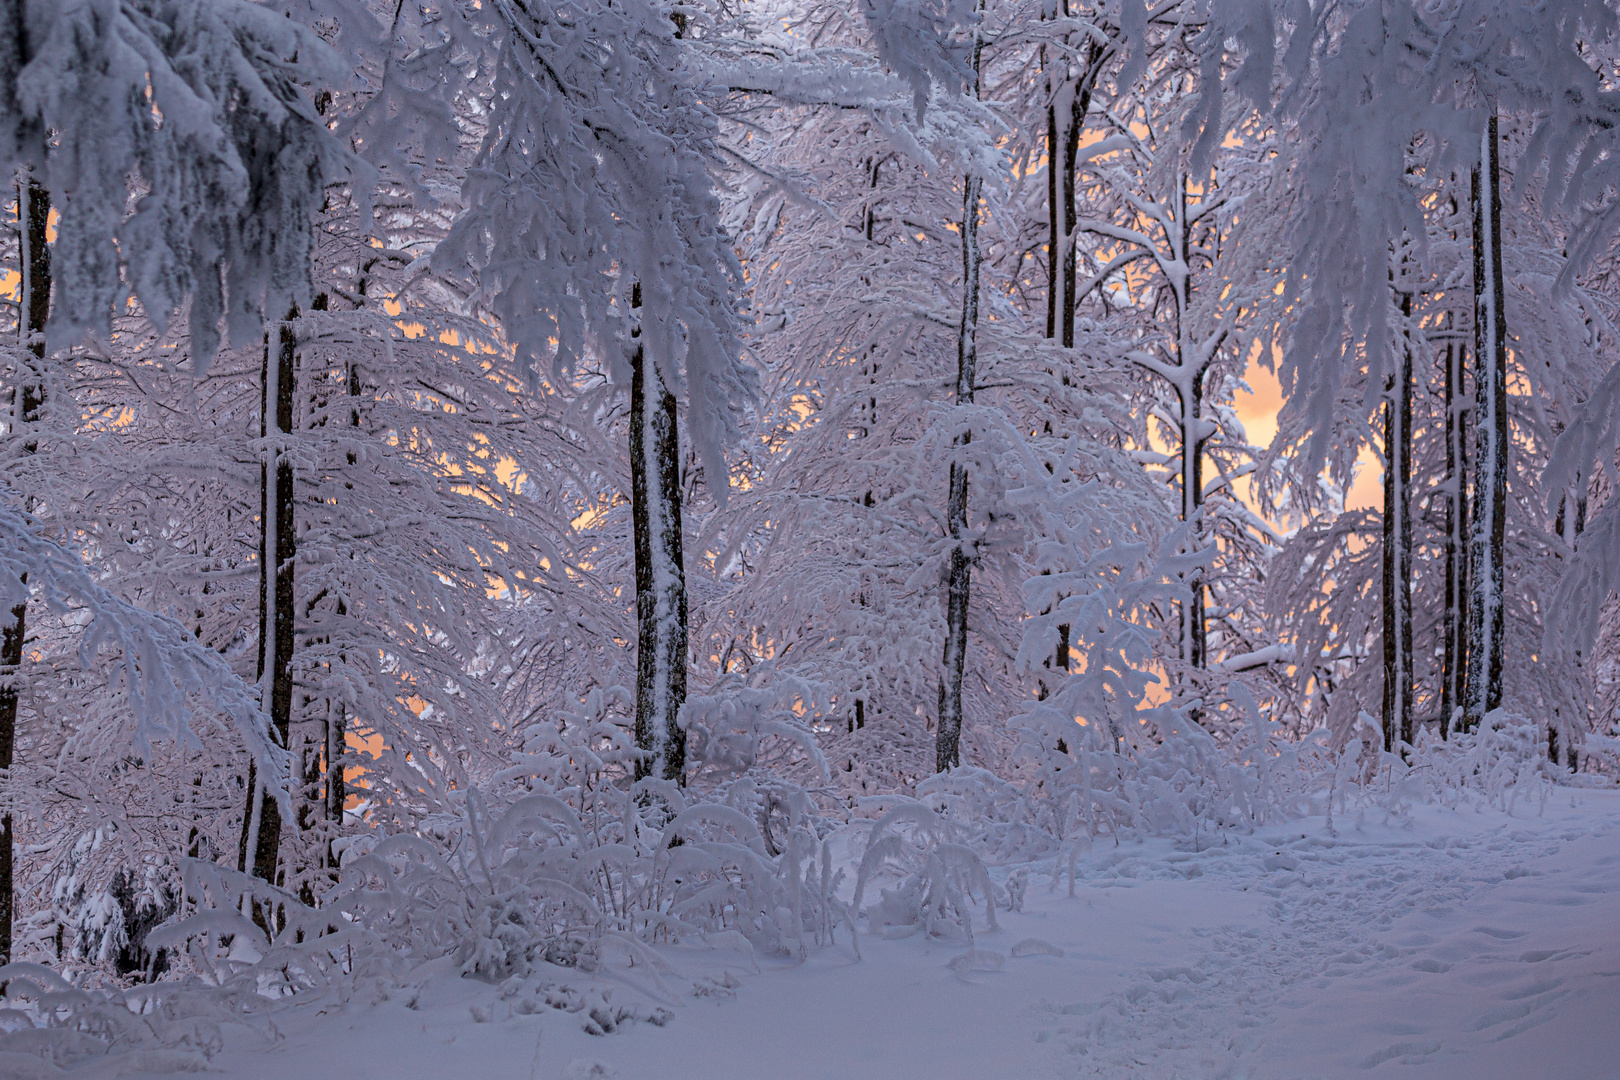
[
  {"x": 948, "y": 736},
  {"x": 34, "y": 210},
  {"x": 1055, "y": 228},
  {"x": 1065, "y": 120},
  {"x": 655, "y": 483},
  {"x": 1568, "y": 526},
  {"x": 278, "y": 548},
  {"x": 1063, "y": 129},
  {"x": 1194, "y": 632},
  {"x": 1072, "y": 116},
  {"x": 337, "y": 718},
  {"x": 336, "y": 791},
  {"x": 1397, "y": 549},
  {"x": 1191, "y": 367},
  {"x": 1454, "y": 510},
  {"x": 1483, "y": 679}
]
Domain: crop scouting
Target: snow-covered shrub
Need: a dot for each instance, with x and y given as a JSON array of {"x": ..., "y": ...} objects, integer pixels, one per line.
[
  {"x": 756, "y": 721},
  {"x": 532, "y": 882},
  {"x": 160, "y": 1027},
  {"x": 112, "y": 926},
  {"x": 938, "y": 875},
  {"x": 565, "y": 861},
  {"x": 1501, "y": 763},
  {"x": 1186, "y": 784},
  {"x": 997, "y": 818}
]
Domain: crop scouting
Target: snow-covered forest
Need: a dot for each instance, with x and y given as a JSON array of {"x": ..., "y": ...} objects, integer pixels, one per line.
[{"x": 503, "y": 500}]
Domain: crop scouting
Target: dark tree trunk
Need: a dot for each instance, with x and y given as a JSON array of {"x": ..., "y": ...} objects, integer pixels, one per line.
[
  {"x": 1483, "y": 679},
  {"x": 1397, "y": 550},
  {"x": 1192, "y": 367},
  {"x": 1058, "y": 662},
  {"x": 1195, "y": 631},
  {"x": 1065, "y": 120},
  {"x": 1569, "y": 526},
  {"x": 337, "y": 719},
  {"x": 278, "y": 548},
  {"x": 1061, "y": 218},
  {"x": 1073, "y": 120},
  {"x": 27, "y": 401},
  {"x": 1055, "y": 228},
  {"x": 336, "y": 789},
  {"x": 1454, "y": 503},
  {"x": 655, "y": 483},
  {"x": 948, "y": 736},
  {"x": 334, "y": 730}
]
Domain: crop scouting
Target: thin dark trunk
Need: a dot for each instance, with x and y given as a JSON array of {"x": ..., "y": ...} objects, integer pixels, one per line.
[
  {"x": 655, "y": 483},
  {"x": 336, "y": 790},
  {"x": 1054, "y": 227},
  {"x": 1483, "y": 680},
  {"x": 874, "y": 173},
  {"x": 948, "y": 737},
  {"x": 1061, "y": 221},
  {"x": 278, "y": 548},
  {"x": 1065, "y": 121},
  {"x": 1192, "y": 368},
  {"x": 1397, "y": 550},
  {"x": 1569, "y": 526},
  {"x": 337, "y": 718},
  {"x": 1074, "y": 119},
  {"x": 28, "y": 399},
  {"x": 1454, "y": 503},
  {"x": 1195, "y": 632}
]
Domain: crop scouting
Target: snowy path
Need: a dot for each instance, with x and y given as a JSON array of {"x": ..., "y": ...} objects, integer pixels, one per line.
[
  {"x": 1482, "y": 951},
  {"x": 1468, "y": 945}
]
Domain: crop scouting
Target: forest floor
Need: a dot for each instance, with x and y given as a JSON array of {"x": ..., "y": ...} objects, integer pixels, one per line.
[{"x": 1459, "y": 943}]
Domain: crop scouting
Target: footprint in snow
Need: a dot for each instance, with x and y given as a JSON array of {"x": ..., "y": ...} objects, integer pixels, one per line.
[{"x": 1411, "y": 1052}]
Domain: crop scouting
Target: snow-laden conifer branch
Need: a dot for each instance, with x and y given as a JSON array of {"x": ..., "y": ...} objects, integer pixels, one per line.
[
  {"x": 164, "y": 667},
  {"x": 184, "y": 155}
]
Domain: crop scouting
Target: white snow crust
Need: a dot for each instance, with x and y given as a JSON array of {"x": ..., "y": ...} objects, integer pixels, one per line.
[{"x": 1451, "y": 944}]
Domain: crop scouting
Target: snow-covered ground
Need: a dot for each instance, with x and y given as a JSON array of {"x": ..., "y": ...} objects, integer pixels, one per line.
[{"x": 1462, "y": 943}]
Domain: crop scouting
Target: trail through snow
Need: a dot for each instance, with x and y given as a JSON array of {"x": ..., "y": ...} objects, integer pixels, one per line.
[{"x": 1458, "y": 944}]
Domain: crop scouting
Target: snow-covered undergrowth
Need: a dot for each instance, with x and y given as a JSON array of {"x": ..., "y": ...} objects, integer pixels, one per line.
[
  {"x": 565, "y": 872},
  {"x": 1453, "y": 941}
]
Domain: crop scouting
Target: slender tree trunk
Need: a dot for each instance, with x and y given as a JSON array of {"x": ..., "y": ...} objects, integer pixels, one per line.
[
  {"x": 1569, "y": 526},
  {"x": 1057, "y": 232},
  {"x": 655, "y": 482},
  {"x": 1194, "y": 632},
  {"x": 278, "y": 548},
  {"x": 1397, "y": 551},
  {"x": 1483, "y": 680},
  {"x": 337, "y": 719},
  {"x": 1454, "y": 503},
  {"x": 34, "y": 209},
  {"x": 868, "y": 499},
  {"x": 1066, "y": 112},
  {"x": 336, "y": 790},
  {"x": 1065, "y": 120},
  {"x": 1055, "y": 229},
  {"x": 1071, "y": 117},
  {"x": 1191, "y": 369},
  {"x": 948, "y": 736}
]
